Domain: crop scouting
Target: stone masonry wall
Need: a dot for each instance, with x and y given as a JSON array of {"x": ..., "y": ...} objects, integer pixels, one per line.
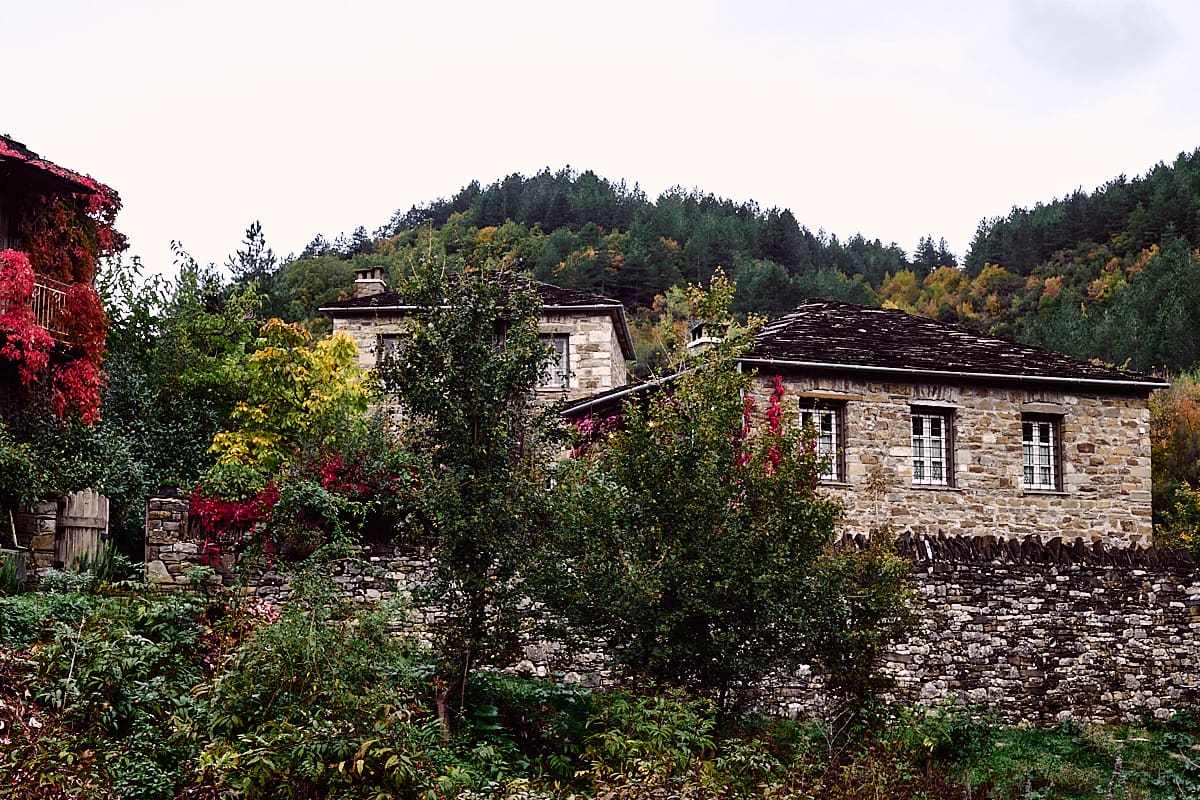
[
  {"x": 171, "y": 550},
  {"x": 596, "y": 361},
  {"x": 1040, "y": 632},
  {"x": 36, "y": 527},
  {"x": 1104, "y": 448},
  {"x": 1034, "y": 631},
  {"x": 365, "y": 330}
]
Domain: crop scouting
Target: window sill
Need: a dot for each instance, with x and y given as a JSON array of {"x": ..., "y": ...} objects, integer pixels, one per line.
[
  {"x": 1050, "y": 492},
  {"x": 931, "y": 487},
  {"x": 833, "y": 484}
]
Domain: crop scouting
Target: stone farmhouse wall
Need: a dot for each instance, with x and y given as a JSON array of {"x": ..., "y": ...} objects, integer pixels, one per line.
[
  {"x": 594, "y": 349},
  {"x": 366, "y": 329},
  {"x": 1104, "y": 495},
  {"x": 1034, "y": 631}
]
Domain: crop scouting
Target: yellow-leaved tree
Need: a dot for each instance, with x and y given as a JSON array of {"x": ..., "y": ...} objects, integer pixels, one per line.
[{"x": 297, "y": 394}]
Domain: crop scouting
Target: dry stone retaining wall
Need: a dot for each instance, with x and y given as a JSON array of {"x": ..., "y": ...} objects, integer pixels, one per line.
[
  {"x": 1035, "y": 631},
  {"x": 1043, "y": 631}
]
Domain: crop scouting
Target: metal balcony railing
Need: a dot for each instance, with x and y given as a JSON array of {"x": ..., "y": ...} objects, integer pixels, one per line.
[{"x": 49, "y": 303}]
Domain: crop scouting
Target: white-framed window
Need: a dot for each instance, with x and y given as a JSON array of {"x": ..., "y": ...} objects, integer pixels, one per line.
[
  {"x": 1039, "y": 453},
  {"x": 931, "y": 442},
  {"x": 825, "y": 421},
  {"x": 558, "y": 369}
]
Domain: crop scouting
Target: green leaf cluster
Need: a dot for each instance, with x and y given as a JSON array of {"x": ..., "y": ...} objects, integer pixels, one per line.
[{"x": 295, "y": 394}]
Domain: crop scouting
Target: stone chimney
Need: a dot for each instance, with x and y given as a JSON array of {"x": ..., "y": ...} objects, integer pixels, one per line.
[
  {"x": 368, "y": 282},
  {"x": 701, "y": 337}
]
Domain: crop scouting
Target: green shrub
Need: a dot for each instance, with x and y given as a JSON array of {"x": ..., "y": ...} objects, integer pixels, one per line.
[
  {"x": 949, "y": 733},
  {"x": 128, "y": 659},
  {"x": 110, "y": 675},
  {"x": 321, "y": 702},
  {"x": 648, "y": 741},
  {"x": 542, "y": 724},
  {"x": 11, "y": 572}
]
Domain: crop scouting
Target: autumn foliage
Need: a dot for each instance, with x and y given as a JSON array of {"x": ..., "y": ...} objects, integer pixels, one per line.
[
  {"x": 300, "y": 465},
  {"x": 64, "y": 237},
  {"x": 25, "y": 343},
  {"x": 1175, "y": 456}
]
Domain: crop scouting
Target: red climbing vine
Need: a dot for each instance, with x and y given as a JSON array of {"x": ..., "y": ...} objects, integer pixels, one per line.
[
  {"x": 64, "y": 237},
  {"x": 24, "y": 342}
]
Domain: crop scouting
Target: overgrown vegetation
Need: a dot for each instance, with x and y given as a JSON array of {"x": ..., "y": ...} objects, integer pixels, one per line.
[
  {"x": 692, "y": 544},
  {"x": 109, "y": 692},
  {"x": 463, "y": 375}
]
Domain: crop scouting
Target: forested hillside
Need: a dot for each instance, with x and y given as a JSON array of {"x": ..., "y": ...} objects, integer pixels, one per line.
[
  {"x": 1110, "y": 274},
  {"x": 1113, "y": 274},
  {"x": 582, "y": 231}
]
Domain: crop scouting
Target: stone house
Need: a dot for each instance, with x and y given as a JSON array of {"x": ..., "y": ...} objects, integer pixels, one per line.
[
  {"x": 934, "y": 430},
  {"x": 1017, "y": 480},
  {"x": 589, "y": 333}
]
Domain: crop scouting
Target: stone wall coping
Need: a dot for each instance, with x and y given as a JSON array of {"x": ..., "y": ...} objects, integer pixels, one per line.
[{"x": 1032, "y": 550}]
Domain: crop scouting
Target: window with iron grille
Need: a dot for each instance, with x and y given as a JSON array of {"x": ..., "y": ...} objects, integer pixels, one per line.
[
  {"x": 931, "y": 430},
  {"x": 558, "y": 369},
  {"x": 387, "y": 347},
  {"x": 1039, "y": 453},
  {"x": 825, "y": 422}
]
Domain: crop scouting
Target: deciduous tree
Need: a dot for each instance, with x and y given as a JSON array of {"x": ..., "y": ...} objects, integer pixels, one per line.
[
  {"x": 297, "y": 394},
  {"x": 692, "y": 542},
  {"x": 464, "y": 372}
]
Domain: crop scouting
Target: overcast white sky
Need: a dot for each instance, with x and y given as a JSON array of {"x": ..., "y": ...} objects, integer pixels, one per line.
[{"x": 893, "y": 119}]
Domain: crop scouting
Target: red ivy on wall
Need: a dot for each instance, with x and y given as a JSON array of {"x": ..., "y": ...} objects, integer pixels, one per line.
[
  {"x": 24, "y": 342},
  {"x": 64, "y": 239},
  {"x": 66, "y": 236},
  {"x": 228, "y": 522}
]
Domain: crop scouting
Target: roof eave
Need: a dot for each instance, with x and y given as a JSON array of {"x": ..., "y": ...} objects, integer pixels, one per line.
[
  {"x": 1140, "y": 385},
  {"x": 354, "y": 309},
  {"x": 582, "y": 406},
  {"x": 608, "y": 308}
]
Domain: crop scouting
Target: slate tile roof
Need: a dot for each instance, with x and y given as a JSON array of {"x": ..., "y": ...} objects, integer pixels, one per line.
[
  {"x": 15, "y": 156},
  {"x": 826, "y": 332},
  {"x": 834, "y": 336},
  {"x": 552, "y": 297}
]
